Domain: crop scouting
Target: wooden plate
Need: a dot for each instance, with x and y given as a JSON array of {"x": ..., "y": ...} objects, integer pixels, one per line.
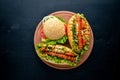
[{"x": 66, "y": 15}]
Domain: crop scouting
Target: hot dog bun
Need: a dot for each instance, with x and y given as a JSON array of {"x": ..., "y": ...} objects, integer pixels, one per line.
[
  {"x": 57, "y": 55},
  {"x": 69, "y": 30},
  {"x": 78, "y": 31}
]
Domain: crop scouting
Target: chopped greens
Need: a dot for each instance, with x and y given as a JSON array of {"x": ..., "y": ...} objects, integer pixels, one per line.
[
  {"x": 74, "y": 32},
  {"x": 75, "y": 42},
  {"x": 61, "y": 19}
]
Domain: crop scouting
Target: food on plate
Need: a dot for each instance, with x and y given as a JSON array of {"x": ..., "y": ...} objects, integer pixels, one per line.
[
  {"x": 53, "y": 47},
  {"x": 54, "y": 30},
  {"x": 57, "y": 54},
  {"x": 78, "y": 31}
]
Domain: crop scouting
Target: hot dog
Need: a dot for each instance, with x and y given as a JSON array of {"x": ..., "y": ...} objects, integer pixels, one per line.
[
  {"x": 78, "y": 31},
  {"x": 57, "y": 54}
]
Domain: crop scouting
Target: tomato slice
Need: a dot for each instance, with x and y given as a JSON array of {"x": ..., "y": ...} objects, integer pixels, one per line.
[{"x": 42, "y": 34}]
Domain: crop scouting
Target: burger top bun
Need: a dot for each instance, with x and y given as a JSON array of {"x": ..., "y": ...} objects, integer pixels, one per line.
[{"x": 53, "y": 28}]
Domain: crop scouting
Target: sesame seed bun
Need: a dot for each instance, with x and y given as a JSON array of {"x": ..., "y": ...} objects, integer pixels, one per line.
[{"x": 53, "y": 28}]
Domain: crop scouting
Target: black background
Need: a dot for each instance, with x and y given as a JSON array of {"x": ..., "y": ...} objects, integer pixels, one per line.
[{"x": 18, "y": 21}]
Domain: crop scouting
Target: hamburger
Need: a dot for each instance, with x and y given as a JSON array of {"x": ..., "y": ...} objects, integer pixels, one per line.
[{"x": 54, "y": 30}]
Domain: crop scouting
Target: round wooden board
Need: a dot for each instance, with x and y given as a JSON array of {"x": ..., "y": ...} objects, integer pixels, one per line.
[{"x": 66, "y": 15}]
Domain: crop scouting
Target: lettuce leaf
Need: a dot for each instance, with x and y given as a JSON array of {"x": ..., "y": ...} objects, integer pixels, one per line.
[
  {"x": 59, "y": 60},
  {"x": 59, "y": 41},
  {"x": 81, "y": 16},
  {"x": 61, "y": 19},
  {"x": 85, "y": 48}
]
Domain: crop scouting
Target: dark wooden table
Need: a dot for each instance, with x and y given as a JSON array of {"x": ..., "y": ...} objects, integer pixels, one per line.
[{"x": 18, "y": 21}]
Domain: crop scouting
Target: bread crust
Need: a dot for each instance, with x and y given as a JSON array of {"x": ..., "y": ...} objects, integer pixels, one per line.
[{"x": 69, "y": 30}]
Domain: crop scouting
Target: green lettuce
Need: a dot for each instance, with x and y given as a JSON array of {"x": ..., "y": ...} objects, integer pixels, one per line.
[
  {"x": 59, "y": 60},
  {"x": 61, "y": 19},
  {"x": 81, "y": 16},
  {"x": 85, "y": 48},
  {"x": 59, "y": 41}
]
